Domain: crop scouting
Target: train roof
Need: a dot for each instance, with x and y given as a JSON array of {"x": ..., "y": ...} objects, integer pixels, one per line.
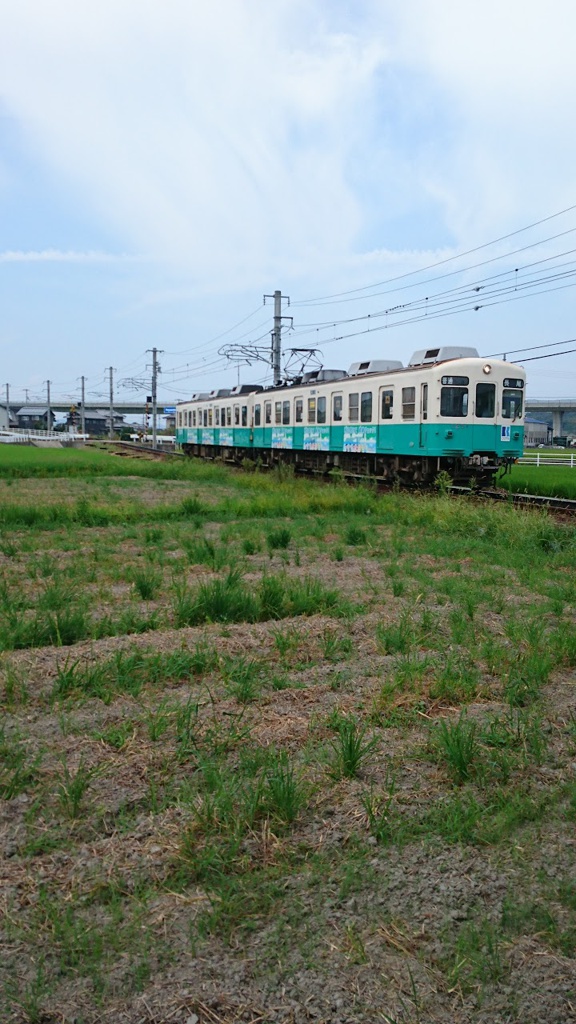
[{"x": 422, "y": 358}]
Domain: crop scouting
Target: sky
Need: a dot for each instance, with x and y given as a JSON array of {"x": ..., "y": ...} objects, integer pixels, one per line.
[{"x": 404, "y": 173}]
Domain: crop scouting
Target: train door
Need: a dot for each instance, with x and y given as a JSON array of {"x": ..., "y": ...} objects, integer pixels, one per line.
[
  {"x": 257, "y": 424},
  {"x": 423, "y": 415},
  {"x": 486, "y": 436},
  {"x": 385, "y": 441},
  {"x": 336, "y": 422}
]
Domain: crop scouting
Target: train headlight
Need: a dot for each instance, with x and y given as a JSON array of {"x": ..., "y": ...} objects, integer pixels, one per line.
[{"x": 486, "y": 368}]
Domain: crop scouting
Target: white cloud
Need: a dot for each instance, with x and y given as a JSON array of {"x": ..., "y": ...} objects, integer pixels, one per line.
[
  {"x": 68, "y": 256},
  {"x": 503, "y": 73},
  {"x": 197, "y": 129},
  {"x": 308, "y": 144}
]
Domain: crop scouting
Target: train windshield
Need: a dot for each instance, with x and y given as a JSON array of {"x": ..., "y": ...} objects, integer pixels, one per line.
[
  {"x": 485, "y": 400},
  {"x": 454, "y": 402},
  {"x": 511, "y": 404}
]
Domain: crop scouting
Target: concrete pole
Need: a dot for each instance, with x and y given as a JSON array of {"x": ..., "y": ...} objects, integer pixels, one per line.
[
  {"x": 277, "y": 339},
  {"x": 111, "y": 426},
  {"x": 557, "y": 422},
  {"x": 154, "y": 396},
  {"x": 8, "y": 407},
  {"x": 49, "y": 413},
  {"x": 82, "y": 410}
]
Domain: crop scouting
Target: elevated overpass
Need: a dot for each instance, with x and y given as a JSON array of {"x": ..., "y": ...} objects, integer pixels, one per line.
[
  {"x": 557, "y": 406},
  {"x": 126, "y": 407}
]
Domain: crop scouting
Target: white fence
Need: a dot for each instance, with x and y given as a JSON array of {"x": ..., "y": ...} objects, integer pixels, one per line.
[
  {"x": 541, "y": 459},
  {"x": 23, "y": 436}
]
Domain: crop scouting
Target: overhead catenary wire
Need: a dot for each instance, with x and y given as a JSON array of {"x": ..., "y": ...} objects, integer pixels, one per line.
[
  {"x": 433, "y": 308},
  {"x": 437, "y": 263},
  {"x": 476, "y": 285}
]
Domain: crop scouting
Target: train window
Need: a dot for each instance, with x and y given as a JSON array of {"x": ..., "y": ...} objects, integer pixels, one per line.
[
  {"x": 179, "y": 419},
  {"x": 311, "y": 410},
  {"x": 257, "y": 410},
  {"x": 387, "y": 405},
  {"x": 337, "y": 408},
  {"x": 285, "y": 413},
  {"x": 236, "y": 415},
  {"x": 216, "y": 417},
  {"x": 366, "y": 407},
  {"x": 424, "y": 397},
  {"x": 511, "y": 404},
  {"x": 228, "y": 415},
  {"x": 277, "y": 412},
  {"x": 408, "y": 403},
  {"x": 485, "y": 401},
  {"x": 268, "y": 412},
  {"x": 299, "y": 410},
  {"x": 193, "y": 418},
  {"x": 223, "y": 415},
  {"x": 205, "y": 417},
  {"x": 244, "y": 415},
  {"x": 209, "y": 417},
  {"x": 353, "y": 407},
  {"x": 322, "y": 409},
  {"x": 454, "y": 402}
]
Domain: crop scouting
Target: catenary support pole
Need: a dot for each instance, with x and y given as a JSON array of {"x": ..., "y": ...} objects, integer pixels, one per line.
[
  {"x": 82, "y": 409},
  {"x": 277, "y": 339},
  {"x": 111, "y": 425},
  {"x": 155, "y": 371},
  {"x": 49, "y": 411},
  {"x": 276, "y": 356}
]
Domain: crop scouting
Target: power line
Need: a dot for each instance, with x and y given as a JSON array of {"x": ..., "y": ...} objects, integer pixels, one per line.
[
  {"x": 456, "y": 300},
  {"x": 534, "y": 348},
  {"x": 438, "y": 263}
]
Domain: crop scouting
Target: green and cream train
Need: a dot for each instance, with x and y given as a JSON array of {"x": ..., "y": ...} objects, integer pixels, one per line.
[{"x": 448, "y": 410}]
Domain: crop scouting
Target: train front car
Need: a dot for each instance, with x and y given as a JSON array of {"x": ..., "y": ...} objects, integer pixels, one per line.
[
  {"x": 472, "y": 417},
  {"x": 447, "y": 411}
]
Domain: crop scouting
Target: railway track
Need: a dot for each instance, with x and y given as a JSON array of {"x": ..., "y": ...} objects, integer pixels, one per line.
[
  {"x": 566, "y": 505},
  {"x": 128, "y": 449}
]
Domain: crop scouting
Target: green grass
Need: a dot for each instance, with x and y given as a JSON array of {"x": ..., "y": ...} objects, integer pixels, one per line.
[{"x": 553, "y": 481}]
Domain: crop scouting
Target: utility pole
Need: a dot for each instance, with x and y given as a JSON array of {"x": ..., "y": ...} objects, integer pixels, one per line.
[
  {"x": 82, "y": 410},
  {"x": 276, "y": 359},
  {"x": 111, "y": 426},
  {"x": 8, "y": 406},
  {"x": 49, "y": 412},
  {"x": 155, "y": 371}
]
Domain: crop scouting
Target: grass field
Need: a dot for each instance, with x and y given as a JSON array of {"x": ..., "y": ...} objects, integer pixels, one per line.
[
  {"x": 553, "y": 481},
  {"x": 280, "y": 751}
]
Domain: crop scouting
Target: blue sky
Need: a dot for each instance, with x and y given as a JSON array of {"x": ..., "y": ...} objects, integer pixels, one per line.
[{"x": 162, "y": 165}]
